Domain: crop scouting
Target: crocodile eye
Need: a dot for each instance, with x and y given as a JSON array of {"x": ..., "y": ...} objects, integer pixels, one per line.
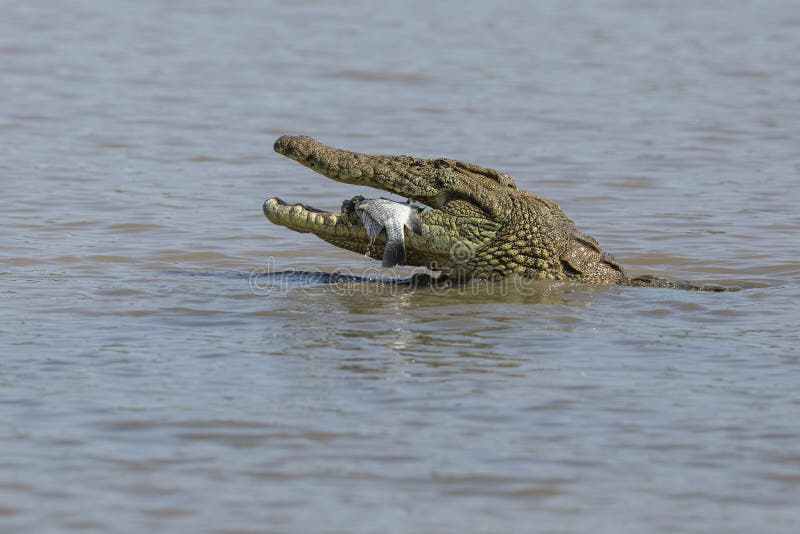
[{"x": 441, "y": 163}]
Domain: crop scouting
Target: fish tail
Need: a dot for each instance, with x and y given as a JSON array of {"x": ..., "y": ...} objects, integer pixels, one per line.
[
  {"x": 414, "y": 223},
  {"x": 394, "y": 254}
]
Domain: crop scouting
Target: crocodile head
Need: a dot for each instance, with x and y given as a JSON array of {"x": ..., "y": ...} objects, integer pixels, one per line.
[{"x": 478, "y": 225}]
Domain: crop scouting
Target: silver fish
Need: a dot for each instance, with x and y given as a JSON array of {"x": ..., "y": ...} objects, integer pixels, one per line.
[{"x": 377, "y": 214}]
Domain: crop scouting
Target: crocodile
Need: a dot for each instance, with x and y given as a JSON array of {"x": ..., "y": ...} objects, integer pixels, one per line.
[{"x": 478, "y": 225}]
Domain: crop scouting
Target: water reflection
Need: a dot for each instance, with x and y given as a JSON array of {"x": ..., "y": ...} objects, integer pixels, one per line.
[{"x": 380, "y": 287}]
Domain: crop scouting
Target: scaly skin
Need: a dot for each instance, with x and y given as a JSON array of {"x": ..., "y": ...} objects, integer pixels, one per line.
[{"x": 479, "y": 225}]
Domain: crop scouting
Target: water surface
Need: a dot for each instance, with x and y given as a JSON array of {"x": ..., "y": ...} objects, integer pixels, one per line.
[{"x": 150, "y": 382}]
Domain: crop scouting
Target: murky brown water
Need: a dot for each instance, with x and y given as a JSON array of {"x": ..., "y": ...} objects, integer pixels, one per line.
[{"x": 149, "y": 383}]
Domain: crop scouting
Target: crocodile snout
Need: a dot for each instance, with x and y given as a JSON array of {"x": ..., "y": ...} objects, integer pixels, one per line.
[{"x": 287, "y": 144}]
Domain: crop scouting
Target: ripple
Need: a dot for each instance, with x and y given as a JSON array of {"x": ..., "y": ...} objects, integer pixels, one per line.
[
  {"x": 7, "y": 511},
  {"x": 136, "y": 227},
  {"x": 22, "y": 262},
  {"x": 192, "y": 257},
  {"x": 412, "y": 79},
  {"x": 111, "y": 259}
]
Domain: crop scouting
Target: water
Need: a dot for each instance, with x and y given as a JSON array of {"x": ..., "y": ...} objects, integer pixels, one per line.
[{"x": 148, "y": 382}]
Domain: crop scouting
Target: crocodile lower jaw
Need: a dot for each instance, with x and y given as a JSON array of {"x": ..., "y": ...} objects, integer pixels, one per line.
[{"x": 298, "y": 217}]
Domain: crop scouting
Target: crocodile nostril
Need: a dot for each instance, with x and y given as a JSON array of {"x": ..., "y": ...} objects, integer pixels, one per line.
[
  {"x": 281, "y": 143},
  {"x": 293, "y": 144}
]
